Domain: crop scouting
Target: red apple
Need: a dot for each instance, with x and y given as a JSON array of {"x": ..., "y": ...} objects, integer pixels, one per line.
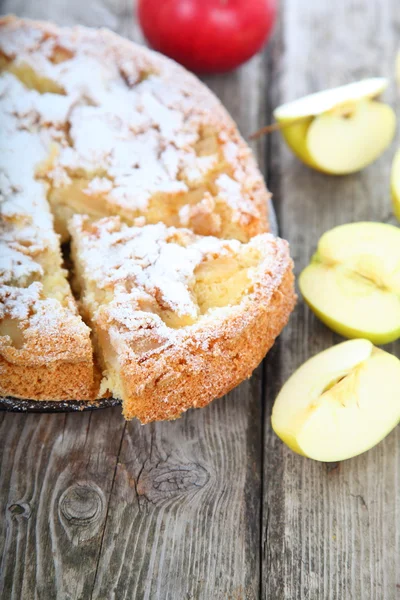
[{"x": 207, "y": 35}]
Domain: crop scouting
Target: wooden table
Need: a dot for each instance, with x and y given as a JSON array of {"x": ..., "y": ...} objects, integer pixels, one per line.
[{"x": 214, "y": 506}]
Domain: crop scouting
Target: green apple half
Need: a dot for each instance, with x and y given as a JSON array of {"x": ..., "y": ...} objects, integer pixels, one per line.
[
  {"x": 395, "y": 184},
  {"x": 339, "y": 403},
  {"x": 353, "y": 281},
  {"x": 340, "y": 130}
]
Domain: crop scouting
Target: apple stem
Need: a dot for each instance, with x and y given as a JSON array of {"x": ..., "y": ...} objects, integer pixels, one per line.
[{"x": 275, "y": 127}]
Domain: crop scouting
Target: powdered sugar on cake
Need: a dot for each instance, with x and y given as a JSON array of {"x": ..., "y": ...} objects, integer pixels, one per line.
[
  {"x": 26, "y": 226},
  {"x": 131, "y": 119},
  {"x": 144, "y": 260},
  {"x": 141, "y": 270}
]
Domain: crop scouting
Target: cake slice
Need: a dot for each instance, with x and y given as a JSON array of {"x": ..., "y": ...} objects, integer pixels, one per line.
[
  {"x": 45, "y": 347},
  {"x": 178, "y": 319}
]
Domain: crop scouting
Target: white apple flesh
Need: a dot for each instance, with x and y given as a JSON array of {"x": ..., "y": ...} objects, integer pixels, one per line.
[
  {"x": 353, "y": 281},
  {"x": 340, "y": 144},
  {"x": 339, "y": 403}
]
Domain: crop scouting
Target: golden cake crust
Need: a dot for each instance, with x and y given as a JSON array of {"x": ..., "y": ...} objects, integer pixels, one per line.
[
  {"x": 45, "y": 352},
  {"x": 201, "y": 375},
  {"x": 61, "y": 380}
]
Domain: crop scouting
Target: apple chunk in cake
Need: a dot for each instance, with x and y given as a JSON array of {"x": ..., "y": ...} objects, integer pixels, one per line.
[{"x": 178, "y": 319}]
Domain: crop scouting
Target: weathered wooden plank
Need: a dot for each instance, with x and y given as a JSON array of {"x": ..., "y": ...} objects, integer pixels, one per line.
[
  {"x": 329, "y": 533},
  {"x": 184, "y": 515},
  {"x": 56, "y": 476},
  {"x": 169, "y": 510}
]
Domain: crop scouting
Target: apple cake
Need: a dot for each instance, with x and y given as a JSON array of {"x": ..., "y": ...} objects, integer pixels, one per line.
[{"x": 94, "y": 125}]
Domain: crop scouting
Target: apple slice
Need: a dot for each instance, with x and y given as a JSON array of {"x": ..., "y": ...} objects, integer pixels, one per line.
[
  {"x": 395, "y": 184},
  {"x": 340, "y": 130},
  {"x": 339, "y": 403},
  {"x": 353, "y": 281}
]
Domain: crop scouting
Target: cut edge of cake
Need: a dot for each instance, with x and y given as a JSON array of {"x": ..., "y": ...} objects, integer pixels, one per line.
[{"x": 45, "y": 347}]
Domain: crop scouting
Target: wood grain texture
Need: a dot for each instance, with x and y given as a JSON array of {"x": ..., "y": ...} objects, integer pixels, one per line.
[
  {"x": 57, "y": 472},
  {"x": 329, "y": 532},
  {"x": 184, "y": 516},
  {"x": 91, "y": 508}
]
